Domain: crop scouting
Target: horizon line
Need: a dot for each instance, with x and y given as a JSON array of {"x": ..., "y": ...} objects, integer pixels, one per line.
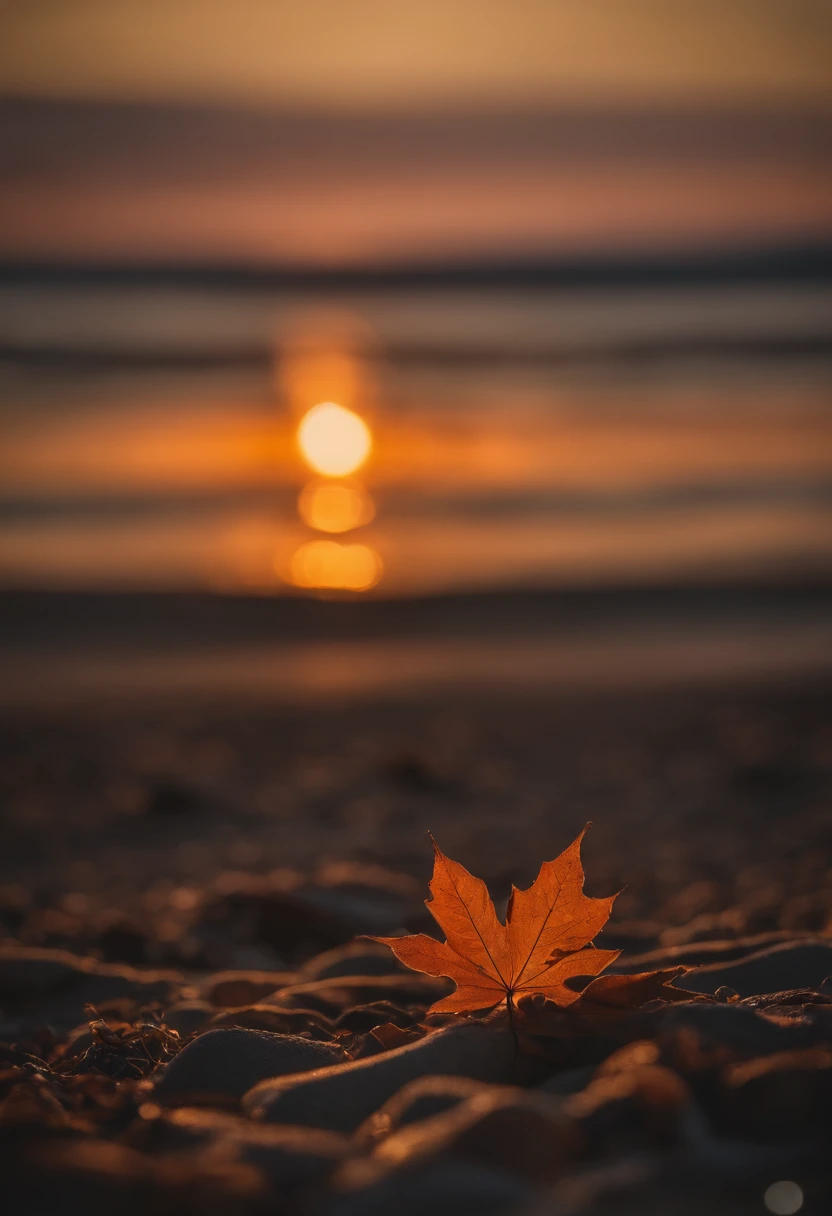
[{"x": 793, "y": 260}]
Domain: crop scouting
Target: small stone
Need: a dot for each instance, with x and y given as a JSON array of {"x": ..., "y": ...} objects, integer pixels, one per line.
[
  {"x": 734, "y": 1027},
  {"x": 331, "y": 996},
  {"x": 780, "y": 1096},
  {"x": 701, "y": 954},
  {"x": 630, "y": 1108},
  {"x": 356, "y": 958},
  {"x": 289, "y": 1156},
  {"x": 32, "y": 972},
  {"x": 278, "y": 1021},
  {"x": 377, "y": 1013},
  {"x": 569, "y": 1081},
  {"x": 187, "y": 1016},
  {"x": 54, "y": 987},
  {"x": 726, "y": 994},
  {"x": 232, "y": 989},
  {"x": 441, "y": 1188},
  {"x": 420, "y": 1099},
  {"x": 342, "y": 1097},
  {"x": 227, "y": 1062},
  {"x": 789, "y": 965},
  {"x": 501, "y": 1127},
  {"x": 281, "y": 920}
]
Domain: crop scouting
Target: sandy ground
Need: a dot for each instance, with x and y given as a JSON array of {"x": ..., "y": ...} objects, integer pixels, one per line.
[
  {"x": 183, "y": 871},
  {"x": 707, "y": 801}
]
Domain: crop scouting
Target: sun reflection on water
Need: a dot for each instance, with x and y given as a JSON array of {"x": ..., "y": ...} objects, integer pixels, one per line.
[
  {"x": 330, "y": 565},
  {"x": 335, "y": 506},
  {"x": 334, "y": 442}
]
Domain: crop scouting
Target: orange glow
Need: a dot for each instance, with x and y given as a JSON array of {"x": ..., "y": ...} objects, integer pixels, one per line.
[
  {"x": 330, "y": 565},
  {"x": 335, "y": 507},
  {"x": 323, "y": 362},
  {"x": 334, "y": 440}
]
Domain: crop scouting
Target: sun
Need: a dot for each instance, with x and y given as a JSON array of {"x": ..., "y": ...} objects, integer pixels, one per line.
[{"x": 334, "y": 441}]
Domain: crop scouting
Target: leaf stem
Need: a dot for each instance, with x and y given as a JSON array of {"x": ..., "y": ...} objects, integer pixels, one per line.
[{"x": 509, "y": 1010}]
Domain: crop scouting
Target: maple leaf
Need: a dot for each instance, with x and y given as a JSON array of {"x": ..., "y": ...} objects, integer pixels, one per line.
[{"x": 544, "y": 941}]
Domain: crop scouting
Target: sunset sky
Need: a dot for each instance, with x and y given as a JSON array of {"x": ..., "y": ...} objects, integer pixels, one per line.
[
  {"x": 379, "y": 130},
  {"x": 387, "y": 52}
]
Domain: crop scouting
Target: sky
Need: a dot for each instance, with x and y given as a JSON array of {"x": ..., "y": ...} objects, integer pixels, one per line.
[
  {"x": 356, "y": 131},
  {"x": 399, "y": 52}
]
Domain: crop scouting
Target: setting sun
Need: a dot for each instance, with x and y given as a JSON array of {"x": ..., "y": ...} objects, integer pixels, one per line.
[{"x": 334, "y": 440}]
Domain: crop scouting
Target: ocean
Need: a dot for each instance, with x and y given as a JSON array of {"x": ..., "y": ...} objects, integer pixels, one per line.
[{"x": 533, "y": 426}]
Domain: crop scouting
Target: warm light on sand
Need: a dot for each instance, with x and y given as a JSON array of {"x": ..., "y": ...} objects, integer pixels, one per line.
[
  {"x": 335, "y": 506},
  {"x": 334, "y": 440},
  {"x": 326, "y": 564}
]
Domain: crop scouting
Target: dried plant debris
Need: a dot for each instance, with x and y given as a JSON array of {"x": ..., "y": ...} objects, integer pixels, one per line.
[{"x": 120, "y": 1050}]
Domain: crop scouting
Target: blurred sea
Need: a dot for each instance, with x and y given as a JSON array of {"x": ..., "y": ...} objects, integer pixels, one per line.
[
  {"x": 535, "y": 425},
  {"x": 593, "y": 345}
]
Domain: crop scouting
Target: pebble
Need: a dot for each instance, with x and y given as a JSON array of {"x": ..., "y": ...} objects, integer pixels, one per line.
[
  {"x": 441, "y": 1188},
  {"x": 790, "y": 965},
  {"x": 356, "y": 958},
  {"x": 419, "y": 1099},
  {"x": 333, "y": 995},
  {"x": 33, "y": 972},
  {"x": 780, "y": 1096},
  {"x": 374, "y": 1015},
  {"x": 509, "y": 1129},
  {"x": 185, "y": 1017},
  {"x": 634, "y": 1109},
  {"x": 276, "y": 1020},
  {"x": 342, "y": 1097},
  {"x": 83, "y": 1177},
  {"x": 367, "y": 898},
  {"x": 76, "y": 1177},
  {"x": 58, "y": 986},
  {"x": 231, "y": 989},
  {"x": 734, "y": 1027},
  {"x": 281, "y": 920},
  {"x": 290, "y": 1156},
  {"x": 702, "y": 954},
  {"x": 569, "y": 1081},
  {"x": 227, "y": 1062}
]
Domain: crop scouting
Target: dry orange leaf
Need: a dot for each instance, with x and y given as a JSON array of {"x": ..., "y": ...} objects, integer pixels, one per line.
[
  {"x": 609, "y": 994},
  {"x": 636, "y": 989},
  {"x": 544, "y": 942}
]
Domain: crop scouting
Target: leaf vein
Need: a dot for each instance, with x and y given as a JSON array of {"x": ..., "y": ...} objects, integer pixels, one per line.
[
  {"x": 546, "y": 920},
  {"x": 477, "y": 931}
]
